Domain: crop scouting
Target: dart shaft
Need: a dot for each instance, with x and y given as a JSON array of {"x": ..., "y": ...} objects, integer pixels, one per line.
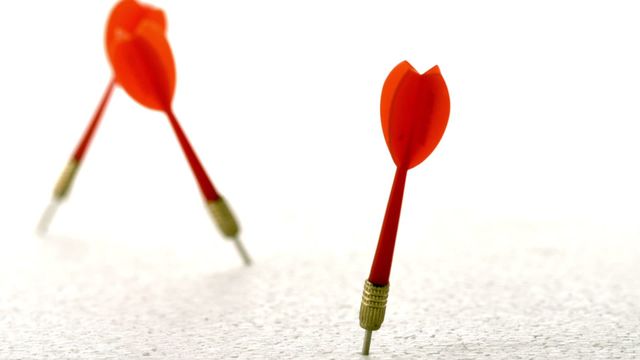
[
  {"x": 381, "y": 267},
  {"x": 63, "y": 185},
  {"x": 206, "y": 186},
  {"x": 83, "y": 145}
]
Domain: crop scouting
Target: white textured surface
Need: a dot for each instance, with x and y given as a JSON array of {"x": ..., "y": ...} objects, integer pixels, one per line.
[
  {"x": 281, "y": 101},
  {"x": 511, "y": 291}
]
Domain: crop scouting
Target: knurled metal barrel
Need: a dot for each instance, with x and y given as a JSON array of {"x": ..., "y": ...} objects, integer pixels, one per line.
[
  {"x": 223, "y": 217},
  {"x": 373, "y": 305},
  {"x": 66, "y": 179}
]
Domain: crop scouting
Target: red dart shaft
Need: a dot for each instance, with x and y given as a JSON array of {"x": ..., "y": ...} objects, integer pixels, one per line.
[
  {"x": 381, "y": 267},
  {"x": 61, "y": 190},
  {"x": 93, "y": 125},
  {"x": 206, "y": 186},
  {"x": 218, "y": 208}
]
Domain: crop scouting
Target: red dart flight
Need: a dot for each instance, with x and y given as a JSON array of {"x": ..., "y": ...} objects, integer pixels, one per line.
[{"x": 414, "y": 109}]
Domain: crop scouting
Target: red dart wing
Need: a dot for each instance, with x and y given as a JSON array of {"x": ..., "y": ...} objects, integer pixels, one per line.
[
  {"x": 414, "y": 110},
  {"x": 388, "y": 94},
  {"x": 143, "y": 64},
  {"x": 125, "y": 18}
]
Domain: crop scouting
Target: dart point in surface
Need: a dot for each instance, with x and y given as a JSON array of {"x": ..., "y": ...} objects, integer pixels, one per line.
[{"x": 366, "y": 344}]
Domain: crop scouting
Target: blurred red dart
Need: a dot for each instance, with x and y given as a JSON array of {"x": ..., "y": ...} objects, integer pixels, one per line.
[
  {"x": 63, "y": 186},
  {"x": 414, "y": 109},
  {"x": 143, "y": 65},
  {"x": 126, "y": 14}
]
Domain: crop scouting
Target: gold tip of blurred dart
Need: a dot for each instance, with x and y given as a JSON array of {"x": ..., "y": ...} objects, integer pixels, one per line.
[
  {"x": 60, "y": 191},
  {"x": 66, "y": 179},
  {"x": 223, "y": 217},
  {"x": 372, "y": 309}
]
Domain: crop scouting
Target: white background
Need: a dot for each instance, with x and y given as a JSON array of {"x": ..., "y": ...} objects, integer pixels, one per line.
[{"x": 280, "y": 100}]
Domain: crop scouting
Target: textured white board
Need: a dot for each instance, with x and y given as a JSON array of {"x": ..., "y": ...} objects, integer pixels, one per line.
[{"x": 515, "y": 291}]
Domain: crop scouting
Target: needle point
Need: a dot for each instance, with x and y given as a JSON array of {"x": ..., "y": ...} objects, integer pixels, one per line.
[
  {"x": 366, "y": 344},
  {"x": 43, "y": 225},
  {"x": 243, "y": 252}
]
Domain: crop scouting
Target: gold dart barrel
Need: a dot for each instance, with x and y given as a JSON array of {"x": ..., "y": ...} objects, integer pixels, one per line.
[
  {"x": 373, "y": 305},
  {"x": 227, "y": 223},
  {"x": 223, "y": 217},
  {"x": 66, "y": 179},
  {"x": 60, "y": 191},
  {"x": 372, "y": 309}
]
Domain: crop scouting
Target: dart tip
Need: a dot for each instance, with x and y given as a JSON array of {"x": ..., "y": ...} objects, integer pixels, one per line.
[
  {"x": 47, "y": 215},
  {"x": 243, "y": 252},
  {"x": 366, "y": 344}
]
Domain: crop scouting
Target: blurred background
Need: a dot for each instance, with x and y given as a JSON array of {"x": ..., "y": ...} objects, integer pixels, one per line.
[{"x": 280, "y": 100}]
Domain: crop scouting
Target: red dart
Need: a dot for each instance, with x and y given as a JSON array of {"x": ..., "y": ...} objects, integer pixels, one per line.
[
  {"x": 143, "y": 65},
  {"x": 126, "y": 14},
  {"x": 414, "y": 109},
  {"x": 61, "y": 190}
]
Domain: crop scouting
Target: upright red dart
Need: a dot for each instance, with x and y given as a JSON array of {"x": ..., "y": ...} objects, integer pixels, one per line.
[{"x": 414, "y": 109}]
